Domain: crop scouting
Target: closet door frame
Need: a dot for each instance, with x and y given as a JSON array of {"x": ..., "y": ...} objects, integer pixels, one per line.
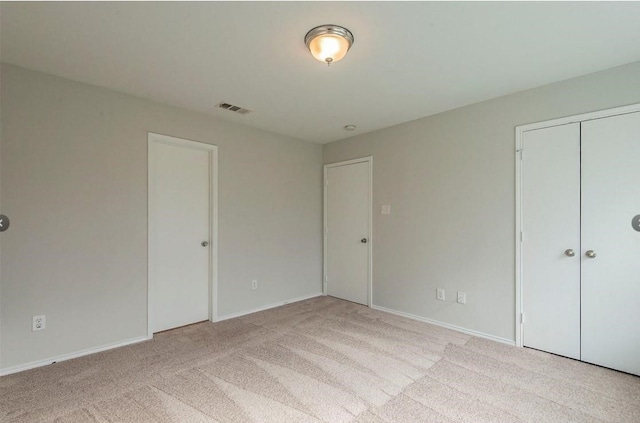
[{"x": 520, "y": 130}]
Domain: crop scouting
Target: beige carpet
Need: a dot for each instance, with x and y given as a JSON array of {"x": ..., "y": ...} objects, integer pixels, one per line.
[{"x": 322, "y": 360}]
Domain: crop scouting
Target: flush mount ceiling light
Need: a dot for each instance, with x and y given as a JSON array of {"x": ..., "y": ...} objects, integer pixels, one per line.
[{"x": 329, "y": 43}]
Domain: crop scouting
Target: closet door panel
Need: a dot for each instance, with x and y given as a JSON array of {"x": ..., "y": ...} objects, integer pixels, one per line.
[
  {"x": 551, "y": 226},
  {"x": 611, "y": 280}
]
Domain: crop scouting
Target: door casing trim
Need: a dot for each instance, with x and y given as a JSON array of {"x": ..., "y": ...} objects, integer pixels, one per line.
[
  {"x": 519, "y": 135},
  {"x": 368, "y": 159},
  {"x": 213, "y": 220}
]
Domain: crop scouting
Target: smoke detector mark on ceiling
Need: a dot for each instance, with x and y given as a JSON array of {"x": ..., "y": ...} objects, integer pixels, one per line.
[{"x": 232, "y": 108}]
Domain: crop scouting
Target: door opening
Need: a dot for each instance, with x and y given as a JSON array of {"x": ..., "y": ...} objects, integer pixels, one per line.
[
  {"x": 182, "y": 239},
  {"x": 348, "y": 239}
]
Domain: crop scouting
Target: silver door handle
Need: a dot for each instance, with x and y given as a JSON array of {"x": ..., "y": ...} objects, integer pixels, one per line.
[
  {"x": 204, "y": 243},
  {"x": 4, "y": 223},
  {"x": 569, "y": 253},
  {"x": 590, "y": 254}
]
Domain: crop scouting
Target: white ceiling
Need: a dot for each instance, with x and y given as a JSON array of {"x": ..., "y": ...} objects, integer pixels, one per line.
[{"x": 409, "y": 59}]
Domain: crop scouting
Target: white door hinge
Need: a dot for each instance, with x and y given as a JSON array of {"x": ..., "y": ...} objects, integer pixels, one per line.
[{"x": 521, "y": 317}]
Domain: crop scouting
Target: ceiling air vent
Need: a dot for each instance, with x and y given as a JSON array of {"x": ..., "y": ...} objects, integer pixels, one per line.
[{"x": 233, "y": 108}]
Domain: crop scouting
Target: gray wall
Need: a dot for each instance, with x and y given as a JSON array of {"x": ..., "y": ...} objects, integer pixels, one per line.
[
  {"x": 73, "y": 163},
  {"x": 450, "y": 181},
  {"x": 74, "y": 182}
]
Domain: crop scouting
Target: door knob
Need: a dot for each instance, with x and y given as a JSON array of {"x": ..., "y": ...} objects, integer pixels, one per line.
[
  {"x": 363, "y": 240},
  {"x": 569, "y": 253},
  {"x": 590, "y": 254},
  {"x": 204, "y": 243},
  {"x": 4, "y": 223}
]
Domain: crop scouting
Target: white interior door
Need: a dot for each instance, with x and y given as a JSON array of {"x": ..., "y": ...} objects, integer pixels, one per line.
[
  {"x": 179, "y": 225},
  {"x": 611, "y": 279},
  {"x": 551, "y": 232},
  {"x": 348, "y": 211}
]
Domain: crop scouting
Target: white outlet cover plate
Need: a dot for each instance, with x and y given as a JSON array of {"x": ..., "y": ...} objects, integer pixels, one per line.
[
  {"x": 386, "y": 209},
  {"x": 39, "y": 323}
]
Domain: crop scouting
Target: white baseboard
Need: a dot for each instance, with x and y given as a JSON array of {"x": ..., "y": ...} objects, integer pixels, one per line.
[
  {"x": 64, "y": 357},
  {"x": 267, "y": 307},
  {"x": 446, "y": 325}
]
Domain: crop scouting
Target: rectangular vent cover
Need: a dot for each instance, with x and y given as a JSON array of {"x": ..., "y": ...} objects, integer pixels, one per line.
[{"x": 232, "y": 108}]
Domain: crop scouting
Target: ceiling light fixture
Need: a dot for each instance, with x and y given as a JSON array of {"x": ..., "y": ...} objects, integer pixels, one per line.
[
  {"x": 329, "y": 43},
  {"x": 349, "y": 127}
]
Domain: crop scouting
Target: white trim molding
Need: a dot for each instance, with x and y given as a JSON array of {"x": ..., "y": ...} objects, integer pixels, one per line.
[
  {"x": 368, "y": 159},
  {"x": 213, "y": 215},
  {"x": 65, "y": 357},
  {"x": 267, "y": 307},
  {"x": 445, "y": 325},
  {"x": 519, "y": 153}
]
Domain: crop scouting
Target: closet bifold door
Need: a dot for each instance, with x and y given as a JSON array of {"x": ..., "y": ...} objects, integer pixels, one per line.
[
  {"x": 551, "y": 239},
  {"x": 610, "y": 253}
]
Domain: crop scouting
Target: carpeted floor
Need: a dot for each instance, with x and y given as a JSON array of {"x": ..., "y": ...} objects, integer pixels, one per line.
[{"x": 321, "y": 360}]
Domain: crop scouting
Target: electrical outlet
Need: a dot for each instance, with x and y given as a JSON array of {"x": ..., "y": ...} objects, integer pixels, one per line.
[
  {"x": 254, "y": 284},
  {"x": 440, "y": 294},
  {"x": 462, "y": 297},
  {"x": 39, "y": 323}
]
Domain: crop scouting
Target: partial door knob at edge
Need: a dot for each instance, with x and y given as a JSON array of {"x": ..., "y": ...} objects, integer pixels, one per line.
[
  {"x": 204, "y": 243},
  {"x": 569, "y": 253},
  {"x": 590, "y": 254}
]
